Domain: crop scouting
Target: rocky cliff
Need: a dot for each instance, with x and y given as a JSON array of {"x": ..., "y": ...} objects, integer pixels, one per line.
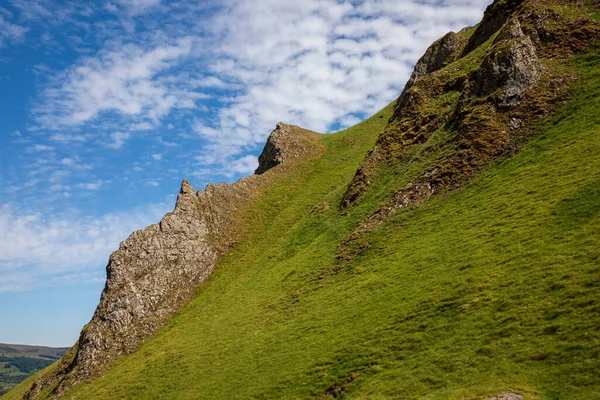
[{"x": 157, "y": 269}]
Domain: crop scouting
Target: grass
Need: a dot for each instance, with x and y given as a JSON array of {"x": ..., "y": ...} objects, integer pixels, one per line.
[
  {"x": 491, "y": 288},
  {"x": 17, "y": 362},
  {"x": 19, "y": 391}
]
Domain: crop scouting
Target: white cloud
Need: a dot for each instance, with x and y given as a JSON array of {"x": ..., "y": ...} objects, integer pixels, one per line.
[
  {"x": 166, "y": 143},
  {"x": 244, "y": 165},
  {"x": 124, "y": 81},
  {"x": 40, "y": 147},
  {"x": 315, "y": 63},
  {"x": 136, "y": 7},
  {"x": 118, "y": 139},
  {"x": 157, "y": 157},
  {"x": 210, "y": 82},
  {"x": 64, "y": 138},
  {"x": 36, "y": 249},
  {"x": 32, "y": 10},
  {"x": 91, "y": 185},
  {"x": 10, "y": 33},
  {"x": 142, "y": 126}
]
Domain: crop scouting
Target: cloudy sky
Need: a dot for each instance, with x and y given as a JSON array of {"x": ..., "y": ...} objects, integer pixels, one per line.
[{"x": 106, "y": 105}]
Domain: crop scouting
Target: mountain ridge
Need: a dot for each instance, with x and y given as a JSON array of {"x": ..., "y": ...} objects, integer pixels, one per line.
[
  {"x": 156, "y": 269},
  {"x": 480, "y": 100}
]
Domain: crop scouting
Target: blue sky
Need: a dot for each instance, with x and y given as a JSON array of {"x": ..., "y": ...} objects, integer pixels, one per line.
[{"x": 107, "y": 105}]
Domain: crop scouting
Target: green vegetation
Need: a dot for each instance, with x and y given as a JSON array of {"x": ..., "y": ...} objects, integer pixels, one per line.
[
  {"x": 486, "y": 289},
  {"x": 17, "y": 362}
]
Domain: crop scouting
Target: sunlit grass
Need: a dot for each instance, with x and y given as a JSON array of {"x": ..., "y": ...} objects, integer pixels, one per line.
[{"x": 491, "y": 288}]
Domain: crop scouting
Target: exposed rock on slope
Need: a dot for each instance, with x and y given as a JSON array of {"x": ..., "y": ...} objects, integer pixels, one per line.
[
  {"x": 506, "y": 396},
  {"x": 513, "y": 67},
  {"x": 473, "y": 111},
  {"x": 156, "y": 270},
  {"x": 495, "y": 16},
  {"x": 439, "y": 54},
  {"x": 283, "y": 145}
]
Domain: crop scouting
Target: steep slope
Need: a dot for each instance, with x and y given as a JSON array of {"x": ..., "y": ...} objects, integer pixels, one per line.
[
  {"x": 490, "y": 289},
  {"x": 490, "y": 285},
  {"x": 471, "y": 101},
  {"x": 156, "y": 270}
]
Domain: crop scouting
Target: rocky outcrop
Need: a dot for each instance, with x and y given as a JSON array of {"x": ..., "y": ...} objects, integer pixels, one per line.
[
  {"x": 157, "y": 269},
  {"x": 481, "y": 106},
  {"x": 506, "y": 396},
  {"x": 494, "y": 17},
  {"x": 151, "y": 275},
  {"x": 284, "y": 145},
  {"x": 513, "y": 66},
  {"x": 439, "y": 54}
]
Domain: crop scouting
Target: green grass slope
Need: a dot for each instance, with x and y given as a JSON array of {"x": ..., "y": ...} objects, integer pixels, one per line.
[{"x": 492, "y": 288}]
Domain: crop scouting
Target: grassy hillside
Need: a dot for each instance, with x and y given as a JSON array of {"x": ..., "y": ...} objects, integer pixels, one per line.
[
  {"x": 17, "y": 362},
  {"x": 487, "y": 289}
]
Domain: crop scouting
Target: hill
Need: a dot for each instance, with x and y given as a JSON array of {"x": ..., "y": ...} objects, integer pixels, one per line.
[
  {"x": 445, "y": 248},
  {"x": 17, "y": 362}
]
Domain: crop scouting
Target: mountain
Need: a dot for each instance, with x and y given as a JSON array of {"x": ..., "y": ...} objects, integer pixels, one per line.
[
  {"x": 447, "y": 247},
  {"x": 17, "y": 362}
]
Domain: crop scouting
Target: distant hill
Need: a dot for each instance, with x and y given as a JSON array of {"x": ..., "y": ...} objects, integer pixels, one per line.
[{"x": 18, "y": 361}]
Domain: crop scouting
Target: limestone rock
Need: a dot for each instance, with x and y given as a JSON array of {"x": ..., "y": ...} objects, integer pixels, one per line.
[
  {"x": 285, "y": 143},
  {"x": 440, "y": 53},
  {"x": 148, "y": 278},
  {"x": 494, "y": 17},
  {"x": 498, "y": 100},
  {"x": 513, "y": 66},
  {"x": 506, "y": 396}
]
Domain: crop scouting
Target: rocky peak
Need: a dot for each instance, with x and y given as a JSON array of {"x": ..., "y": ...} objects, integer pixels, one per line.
[
  {"x": 512, "y": 30},
  {"x": 271, "y": 155},
  {"x": 285, "y": 144},
  {"x": 439, "y": 54},
  {"x": 186, "y": 199},
  {"x": 152, "y": 274},
  {"x": 494, "y": 17}
]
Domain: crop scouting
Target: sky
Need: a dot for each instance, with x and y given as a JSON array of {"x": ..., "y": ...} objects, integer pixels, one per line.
[{"x": 105, "y": 106}]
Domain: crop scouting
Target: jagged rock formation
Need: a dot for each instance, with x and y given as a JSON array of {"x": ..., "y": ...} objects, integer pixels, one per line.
[
  {"x": 439, "y": 54},
  {"x": 488, "y": 99},
  {"x": 151, "y": 275},
  {"x": 282, "y": 146},
  {"x": 494, "y": 17},
  {"x": 513, "y": 68},
  {"x": 157, "y": 269}
]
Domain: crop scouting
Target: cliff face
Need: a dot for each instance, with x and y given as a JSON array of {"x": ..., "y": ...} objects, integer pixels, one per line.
[{"x": 156, "y": 270}]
